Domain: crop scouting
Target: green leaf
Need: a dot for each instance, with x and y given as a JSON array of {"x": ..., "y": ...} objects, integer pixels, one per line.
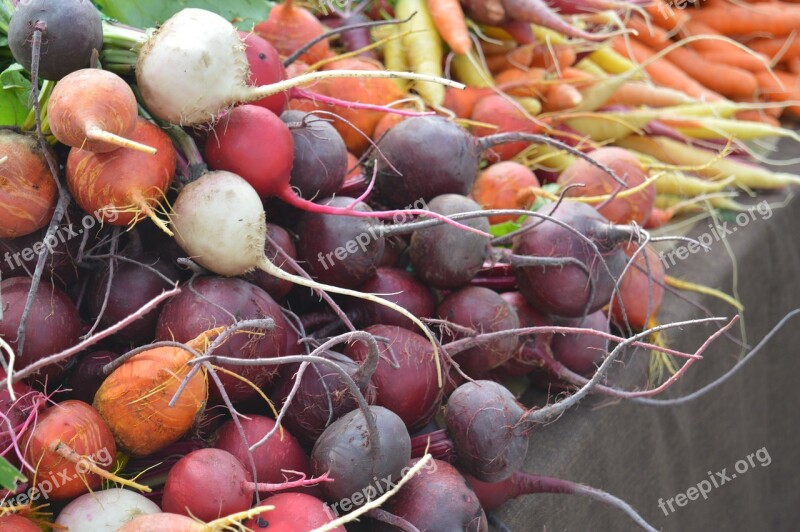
[
  {"x": 15, "y": 91},
  {"x": 9, "y": 475},
  {"x": 149, "y": 13}
]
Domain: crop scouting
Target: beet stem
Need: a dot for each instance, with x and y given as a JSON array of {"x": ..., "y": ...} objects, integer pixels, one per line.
[{"x": 526, "y": 483}]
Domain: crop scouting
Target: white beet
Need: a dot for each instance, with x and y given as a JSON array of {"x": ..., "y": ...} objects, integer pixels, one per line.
[
  {"x": 194, "y": 67},
  {"x": 105, "y": 511},
  {"x": 219, "y": 221}
]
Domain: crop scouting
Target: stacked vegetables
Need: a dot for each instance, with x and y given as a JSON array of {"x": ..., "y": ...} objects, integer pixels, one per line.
[{"x": 475, "y": 229}]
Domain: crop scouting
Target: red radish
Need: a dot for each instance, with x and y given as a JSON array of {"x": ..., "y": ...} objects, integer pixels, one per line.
[
  {"x": 624, "y": 209},
  {"x": 276, "y": 460},
  {"x": 194, "y": 67},
  {"x": 122, "y": 186},
  {"x": 505, "y": 185},
  {"x": 641, "y": 289},
  {"x": 212, "y": 483},
  {"x": 95, "y": 110},
  {"x": 234, "y": 245},
  {"x": 27, "y": 188},
  {"x": 54, "y": 320},
  {"x": 265, "y": 68},
  {"x": 70, "y": 442},
  {"x": 289, "y": 27},
  {"x": 293, "y": 512}
]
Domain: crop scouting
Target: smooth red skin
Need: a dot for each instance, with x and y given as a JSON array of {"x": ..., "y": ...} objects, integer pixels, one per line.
[
  {"x": 131, "y": 288},
  {"x": 636, "y": 207},
  {"x": 484, "y": 310},
  {"x": 410, "y": 390},
  {"x": 17, "y": 523},
  {"x": 438, "y": 500},
  {"x": 276, "y": 454},
  {"x": 78, "y": 425},
  {"x": 531, "y": 346},
  {"x": 277, "y": 288},
  {"x": 294, "y": 512},
  {"x": 255, "y": 144},
  {"x": 497, "y": 110},
  {"x": 635, "y": 289},
  {"x": 53, "y": 324},
  {"x": 220, "y": 301},
  {"x": 266, "y": 68},
  {"x": 582, "y": 353},
  {"x": 207, "y": 484},
  {"x": 400, "y": 287}
]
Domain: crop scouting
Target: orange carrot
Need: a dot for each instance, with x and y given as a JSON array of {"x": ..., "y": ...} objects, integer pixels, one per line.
[
  {"x": 665, "y": 15},
  {"x": 743, "y": 60},
  {"x": 777, "y": 20},
  {"x": 561, "y": 96},
  {"x": 635, "y": 93},
  {"x": 720, "y": 51},
  {"x": 772, "y": 47},
  {"x": 538, "y": 56},
  {"x": 794, "y": 65},
  {"x": 448, "y": 17},
  {"x": 518, "y": 82},
  {"x": 722, "y": 78},
  {"x": 662, "y": 72},
  {"x": 787, "y": 89},
  {"x": 758, "y": 115}
]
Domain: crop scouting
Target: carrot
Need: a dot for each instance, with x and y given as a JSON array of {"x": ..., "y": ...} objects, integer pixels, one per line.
[
  {"x": 758, "y": 115},
  {"x": 744, "y": 61},
  {"x": 424, "y": 48},
  {"x": 554, "y": 57},
  {"x": 561, "y": 96},
  {"x": 468, "y": 70},
  {"x": 788, "y": 48},
  {"x": 663, "y": 72},
  {"x": 394, "y": 56},
  {"x": 448, "y": 17},
  {"x": 636, "y": 93},
  {"x": 794, "y": 65},
  {"x": 786, "y": 88},
  {"x": 721, "y": 51},
  {"x": 518, "y": 82},
  {"x": 462, "y": 102},
  {"x": 658, "y": 218},
  {"x": 777, "y": 20},
  {"x": 721, "y": 78},
  {"x": 665, "y": 16}
]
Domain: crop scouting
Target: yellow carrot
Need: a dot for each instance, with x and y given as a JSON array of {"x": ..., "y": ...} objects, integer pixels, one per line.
[
  {"x": 424, "y": 50},
  {"x": 468, "y": 70},
  {"x": 532, "y": 105},
  {"x": 394, "y": 56},
  {"x": 723, "y": 128}
]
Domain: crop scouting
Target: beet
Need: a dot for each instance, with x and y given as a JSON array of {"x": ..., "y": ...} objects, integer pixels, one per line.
[
  {"x": 438, "y": 498},
  {"x": 483, "y": 420},
  {"x": 531, "y": 346},
  {"x": 209, "y": 302},
  {"x": 293, "y": 512},
  {"x": 582, "y": 353},
  {"x": 275, "y": 287},
  {"x": 87, "y": 375},
  {"x": 405, "y": 378},
  {"x": 320, "y": 155},
  {"x": 340, "y": 250},
  {"x": 446, "y": 256},
  {"x": 397, "y": 286},
  {"x": 565, "y": 289},
  {"x": 349, "y": 453},
  {"x": 485, "y": 311}
]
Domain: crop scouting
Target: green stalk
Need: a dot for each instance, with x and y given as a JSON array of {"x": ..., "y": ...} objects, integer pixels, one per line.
[{"x": 123, "y": 37}]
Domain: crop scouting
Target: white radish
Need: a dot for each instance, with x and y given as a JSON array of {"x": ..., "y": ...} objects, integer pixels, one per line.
[
  {"x": 220, "y": 222},
  {"x": 104, "y": 511},
  {"x": 194, "y": 67}
]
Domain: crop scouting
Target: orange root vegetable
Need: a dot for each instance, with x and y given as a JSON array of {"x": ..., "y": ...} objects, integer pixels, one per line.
[
  {"x": 557, "y": 57},
  {"x": 664, "y": 15},
  {"x": 354, "y": 170},
  {"x": 72, "y": 449},
  {"x": 498, "y": 110},
  {"x": 772, "y": 47},
  {"x": 641, "y": 295},
  {"x": 289, "y": 27},
  {"x": 786, "y": 88},
  {"x": 462, "y": 102},
  {"x": 503, "y": 186},
  {"x": 778, "y": 20},
  {"x": 94, "y": 110},
  {"x": 122, "y": 186},
  {"x": 449, "y": 19},
  {"x": 623, "y": 209},
  {"x": 364, "y": 90},
  {"x": 134, "y": 399},
  {"x": 27, "y": 189},
  {"x": 561, "y": 96},
  {"x": 662, "y": 71},
  {"x": 516, "y": 82},
  {"x": 636, "y": 93},
  {"x": 387, "y": 122}
]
